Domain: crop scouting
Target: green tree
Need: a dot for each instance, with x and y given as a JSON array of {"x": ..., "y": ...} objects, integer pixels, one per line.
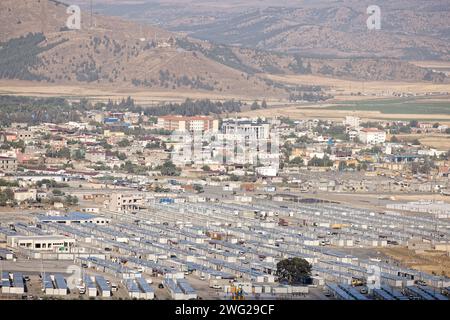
[
  {"x": 297, "y": 161},
  {"x": 123, "y": 143},
  {"x": 198, "y": 188},
  {"x": 169, "y": 169},
  {"x": 294, "y": 270},
  {"x": 57, "y": 192},
  {"x": 6, "y": 196},
  {"x": 255, "y": 106},
  {"x": 264, "y": 104},
  {"x": 414, "y": 123}
]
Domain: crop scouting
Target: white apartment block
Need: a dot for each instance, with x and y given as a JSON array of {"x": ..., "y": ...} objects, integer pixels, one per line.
[
  {"x": 125, "y": 202},
  {"x": 352, "y": 122},
  {"x": 247, "y": 128},
  {"x": 372, "y": 136}
]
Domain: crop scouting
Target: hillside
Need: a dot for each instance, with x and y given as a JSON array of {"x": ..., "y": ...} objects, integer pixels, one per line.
[
  {"x": 411, "y": 29},
  {"x": 36, "y": 45}
]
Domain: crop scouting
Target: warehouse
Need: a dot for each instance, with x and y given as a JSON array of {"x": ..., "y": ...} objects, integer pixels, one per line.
[
  {"x": 75, "y": 218},
  {"x": 41, "y": 243}
]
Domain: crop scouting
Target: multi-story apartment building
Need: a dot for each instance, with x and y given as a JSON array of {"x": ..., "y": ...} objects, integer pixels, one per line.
[
  {"x": 251, "y": 129},
  {"x": 8, "y": 164},
  {"x": 125, "y": 202},
  {"x": 352, "y": 122},
  {"x": 192, "y": 124},
  {"x": 372, "y": 136}
]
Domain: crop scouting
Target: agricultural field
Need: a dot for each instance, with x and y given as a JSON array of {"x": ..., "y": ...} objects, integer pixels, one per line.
[{"x": 405, "y": 106}]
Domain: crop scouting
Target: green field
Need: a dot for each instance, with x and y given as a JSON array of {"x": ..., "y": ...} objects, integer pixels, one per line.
[{"x": 396, "y": 106}]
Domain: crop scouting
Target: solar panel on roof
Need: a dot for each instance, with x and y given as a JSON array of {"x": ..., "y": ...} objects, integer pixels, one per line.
[
  {"x": 18, "y": 280},
  {"x": 88, "y": 282},
  {"x": 339, "y": 292},
  {"x": 131, "y": 286},
  {"x": 422, "y": 294},
  {"x": 101, "y": 282},
  {"x": 145, "y": 287},
  {"x": 383, "y": 294},
  {"x": 60, "y": 282},
  {"x": 173, "y": 286},
  {"x": 5, "y": 276},
  {"x": 47, "y": 282},
  {"x": 433, "y": 293},
  {"x": 185, "y": 287}
]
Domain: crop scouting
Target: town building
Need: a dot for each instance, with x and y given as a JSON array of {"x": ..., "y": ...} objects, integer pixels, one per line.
[
  {"x": 192, "y": 124},
  {"x": 8, "y": 164},
  {"x": 125, "y": 202},
  {"x": 75, "y": 218},
  {"x": 372, "y": 136},
  {"x": 352, "y": 122},
  {"x": 251, "y": 129},
  {"x": 41, "y": 243}
]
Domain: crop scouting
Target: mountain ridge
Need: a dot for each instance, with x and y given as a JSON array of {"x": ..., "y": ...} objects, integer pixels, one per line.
[{"x": 117, "y": 52}]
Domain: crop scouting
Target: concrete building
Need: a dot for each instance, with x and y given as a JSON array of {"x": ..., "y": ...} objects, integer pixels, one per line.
[
  {"x": 25, "y": 195},
  {"x": 192, "y": 124},
  {"x": 41, "y": 243},
  {"x": 95, "y": 156},
  {"x": 120, "y": 202},
  {"x": 75, "y": 218},
  {"x": 372, "y": 136},
  {"x": 249, "y": 128},
  {"x": 8, "y": 164},
  {"x": 352, "y": 122}
]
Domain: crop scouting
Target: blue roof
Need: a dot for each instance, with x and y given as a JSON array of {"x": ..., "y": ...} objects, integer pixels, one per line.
[
  {"x": 72, "y": 216},
  {"x": 145, "y": 287},
  {"x": 60, "y": 282},
  {"x": 185, "y": 287},
  {"x": 103, "y": 285}
]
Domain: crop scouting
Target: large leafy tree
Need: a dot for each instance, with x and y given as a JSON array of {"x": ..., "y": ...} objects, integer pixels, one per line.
[
  {"x": 294, "y": 270},
  {"x": 169, "y": 169}
]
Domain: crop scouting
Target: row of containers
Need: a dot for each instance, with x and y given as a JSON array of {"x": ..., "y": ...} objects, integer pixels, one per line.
[
  {"x": 384, "y": 292},
  {"x": 91, "y": 286},
  {"x": 12, "y": 283}
]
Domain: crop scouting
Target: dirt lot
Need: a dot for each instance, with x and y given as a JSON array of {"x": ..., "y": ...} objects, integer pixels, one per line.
[
  {"x": 436, "y": 262},
  {"x": 103, "y": 93}
]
